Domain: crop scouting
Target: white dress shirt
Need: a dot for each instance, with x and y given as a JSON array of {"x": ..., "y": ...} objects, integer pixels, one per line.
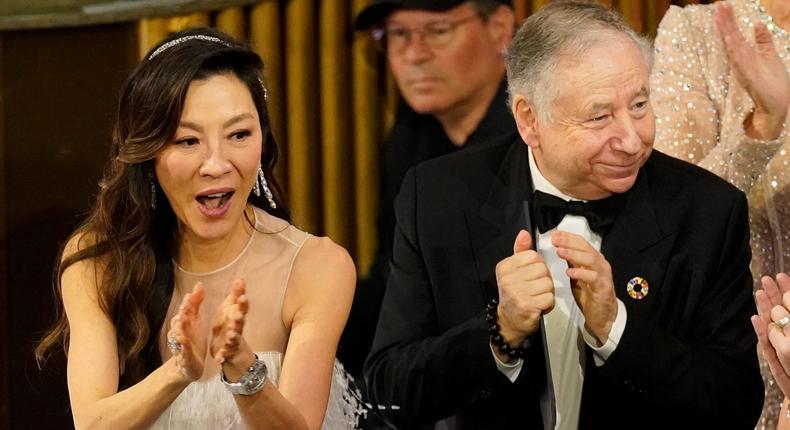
[{"x": 565, "y": 348}]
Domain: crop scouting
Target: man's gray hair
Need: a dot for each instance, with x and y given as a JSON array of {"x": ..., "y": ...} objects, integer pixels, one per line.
[{"x": 562, "y": 29}]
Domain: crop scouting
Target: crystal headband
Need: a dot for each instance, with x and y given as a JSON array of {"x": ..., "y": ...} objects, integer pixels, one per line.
[
  {"x": 175, "y": 42},
  {"x": 205, "y": 38}
]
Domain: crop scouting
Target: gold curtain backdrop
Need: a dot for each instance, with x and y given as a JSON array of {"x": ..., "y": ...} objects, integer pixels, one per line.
[{"x": 332, "y": 100}]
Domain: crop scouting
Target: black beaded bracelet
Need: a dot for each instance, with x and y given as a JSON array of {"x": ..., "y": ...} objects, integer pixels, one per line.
[{"x": 496, "y": 336}]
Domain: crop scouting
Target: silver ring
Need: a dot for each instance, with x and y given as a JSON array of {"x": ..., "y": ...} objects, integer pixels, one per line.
[
  {"x": 175, "y": 346},
  {"x": 783, "y": 322}
]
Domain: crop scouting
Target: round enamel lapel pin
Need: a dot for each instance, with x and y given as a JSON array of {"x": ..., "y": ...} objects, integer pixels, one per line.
[{"x": 637, "y": 288}]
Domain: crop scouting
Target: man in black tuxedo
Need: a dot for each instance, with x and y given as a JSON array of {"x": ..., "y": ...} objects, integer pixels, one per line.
[{"x": 569, "y": 276}]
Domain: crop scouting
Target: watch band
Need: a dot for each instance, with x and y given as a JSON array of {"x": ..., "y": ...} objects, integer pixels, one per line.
[{"x": 250, "y": 382}]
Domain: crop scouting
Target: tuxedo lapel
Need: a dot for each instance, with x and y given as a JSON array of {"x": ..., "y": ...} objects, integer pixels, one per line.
[
  {"x": 494, "y": 224},
  {"x": 635, "y": 247}
]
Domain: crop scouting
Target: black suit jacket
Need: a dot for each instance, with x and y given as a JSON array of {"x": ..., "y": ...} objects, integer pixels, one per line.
[
  {"x": 414, "y": 138},
  {"x": 688, "y": 349}
]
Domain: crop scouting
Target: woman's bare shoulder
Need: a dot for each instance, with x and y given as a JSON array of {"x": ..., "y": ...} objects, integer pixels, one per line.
[
  {"x": 80, "y": 278},
  {"x": 323, "y": 277}
]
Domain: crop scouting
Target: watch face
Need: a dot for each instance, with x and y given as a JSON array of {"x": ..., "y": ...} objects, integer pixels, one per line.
[{"x": 251, "y": 382}]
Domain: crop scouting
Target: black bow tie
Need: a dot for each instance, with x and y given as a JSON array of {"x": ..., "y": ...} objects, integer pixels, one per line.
[{"x": 549, "y": 210}]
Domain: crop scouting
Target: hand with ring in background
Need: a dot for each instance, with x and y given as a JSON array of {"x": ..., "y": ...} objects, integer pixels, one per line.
[
  {"x": 186, "y": 339},
  {"x": 772, "y": 326}
]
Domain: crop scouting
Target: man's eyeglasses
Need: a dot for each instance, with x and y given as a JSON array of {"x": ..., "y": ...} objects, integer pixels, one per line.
[{"x": 435, "y": 34}]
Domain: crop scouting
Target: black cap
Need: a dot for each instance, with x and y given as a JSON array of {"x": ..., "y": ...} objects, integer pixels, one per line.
[{"x": 379, "y": 9}]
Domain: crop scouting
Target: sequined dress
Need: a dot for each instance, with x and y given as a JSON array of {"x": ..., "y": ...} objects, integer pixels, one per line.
[
  {"x": 266, "y": 264},
  {"x": 700, "y": 108}
]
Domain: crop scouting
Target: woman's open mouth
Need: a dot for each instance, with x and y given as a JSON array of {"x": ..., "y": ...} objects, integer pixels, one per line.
[{"x": 215, "y": 200}]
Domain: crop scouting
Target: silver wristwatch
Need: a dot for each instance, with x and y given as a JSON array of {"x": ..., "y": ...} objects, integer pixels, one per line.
[{"x": 249, "y": 383}]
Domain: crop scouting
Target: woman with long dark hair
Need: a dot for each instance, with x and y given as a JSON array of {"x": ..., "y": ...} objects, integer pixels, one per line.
[{"x": 189, "y": 300}]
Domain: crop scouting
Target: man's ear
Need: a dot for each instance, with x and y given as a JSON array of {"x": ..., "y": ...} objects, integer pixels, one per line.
[
  {"x": 501, "y": 25},
  {"x": 526, "y": 120}
]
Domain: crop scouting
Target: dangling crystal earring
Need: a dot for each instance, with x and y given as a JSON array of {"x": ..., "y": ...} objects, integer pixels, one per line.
[
  {"x": 256, "y": 187},
  {"x": 152, "y": 187},
  {"x": 266, "y": 191}
]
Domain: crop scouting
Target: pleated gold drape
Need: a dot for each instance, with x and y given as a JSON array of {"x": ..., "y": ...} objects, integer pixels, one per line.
[{"x": 331, "y": 102}]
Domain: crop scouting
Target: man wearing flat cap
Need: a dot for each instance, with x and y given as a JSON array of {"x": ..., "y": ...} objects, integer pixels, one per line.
[
  {"x": 568, "y": 276},
  {"x": 447, "y": 60}
]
